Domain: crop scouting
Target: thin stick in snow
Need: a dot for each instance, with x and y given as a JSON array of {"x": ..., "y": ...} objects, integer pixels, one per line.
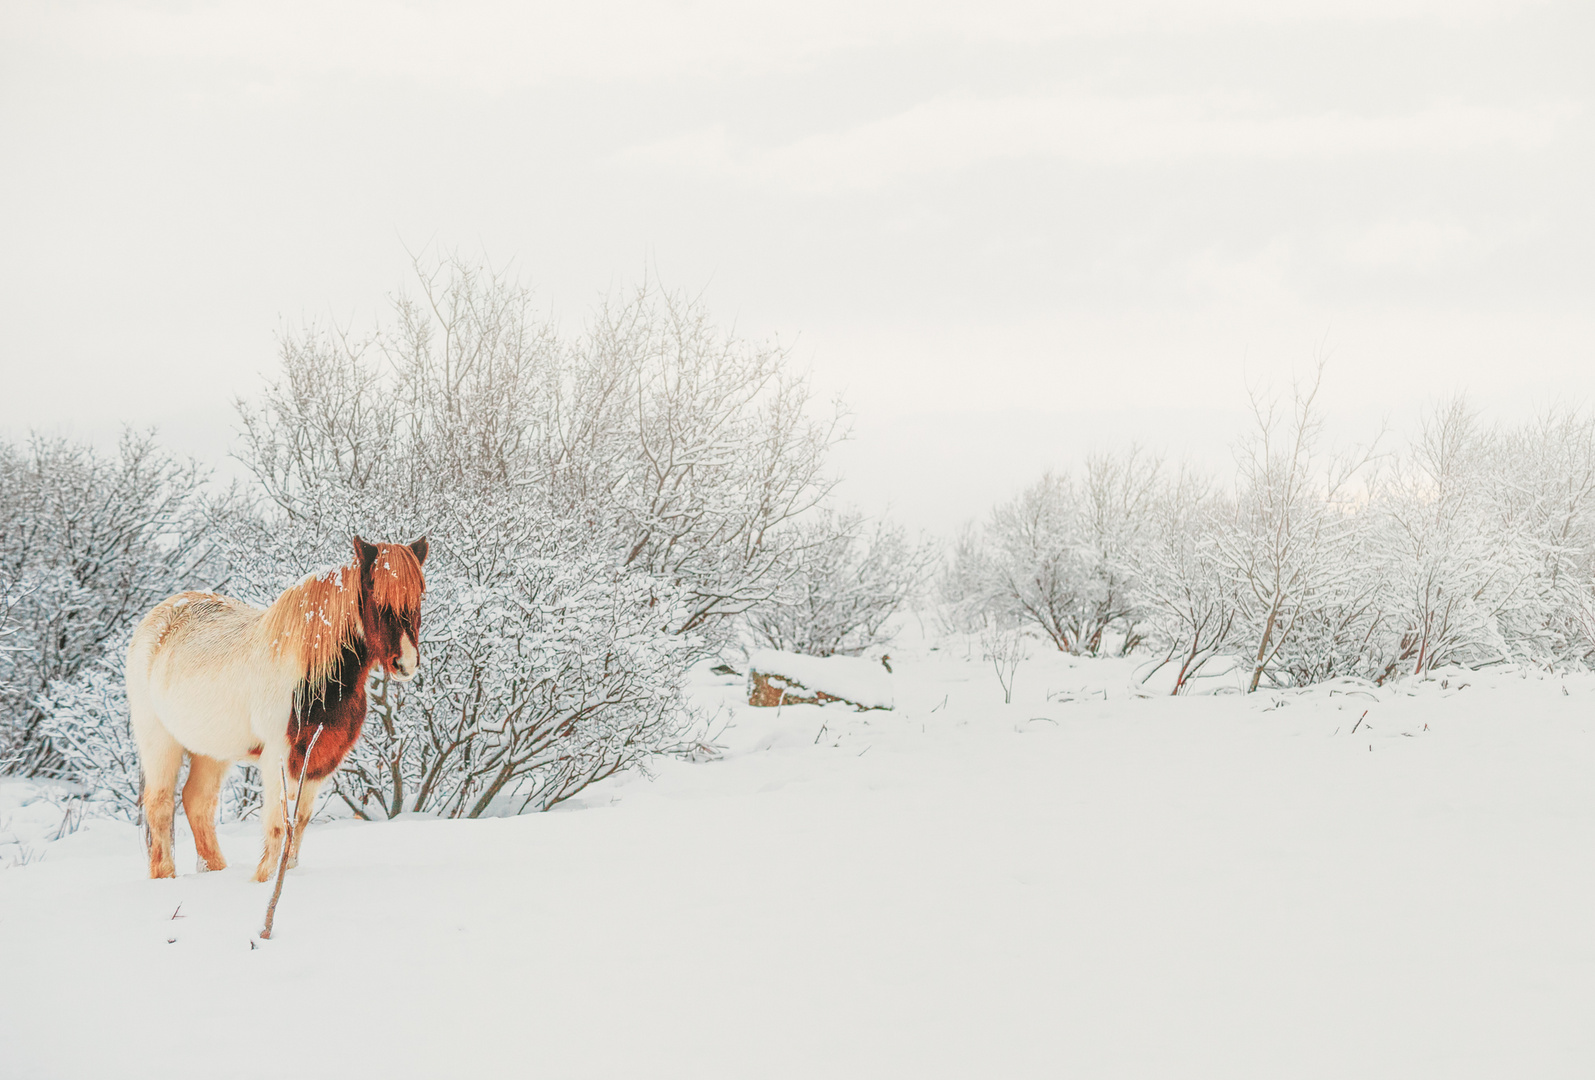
[
  {"x": 288, "y": 830},
  {"x": 1358, "y": 724}
]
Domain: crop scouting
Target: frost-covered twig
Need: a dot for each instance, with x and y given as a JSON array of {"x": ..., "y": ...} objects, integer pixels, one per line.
[{"x": 288, "y": 830}]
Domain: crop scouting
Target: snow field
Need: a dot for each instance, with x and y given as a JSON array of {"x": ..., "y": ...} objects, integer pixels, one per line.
[{"x": 1100, "y": 886}]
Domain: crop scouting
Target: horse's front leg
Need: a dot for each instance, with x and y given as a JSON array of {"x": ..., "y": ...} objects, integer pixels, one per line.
[{"x": 273, "y": 811}]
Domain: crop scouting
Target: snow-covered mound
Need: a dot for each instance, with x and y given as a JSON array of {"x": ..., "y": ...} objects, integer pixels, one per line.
[{"x": 799, "y": 678}]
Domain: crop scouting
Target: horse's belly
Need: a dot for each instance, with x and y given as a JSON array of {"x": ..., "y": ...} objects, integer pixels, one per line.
[{"x": 211, "y": 716}]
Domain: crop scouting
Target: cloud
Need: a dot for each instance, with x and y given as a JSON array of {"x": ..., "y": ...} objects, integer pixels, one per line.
[
  {"x": 949, "y": 134},
  {"x": 1416, "y": 244},
  {"x": 494, "y": 46}
]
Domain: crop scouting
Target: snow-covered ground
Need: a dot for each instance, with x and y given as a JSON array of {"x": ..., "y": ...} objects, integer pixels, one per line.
[{"x": 1081, "y": 883}]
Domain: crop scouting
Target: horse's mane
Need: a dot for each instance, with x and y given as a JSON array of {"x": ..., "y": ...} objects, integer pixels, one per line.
[
  {"x": 315, "y": 620},
  {"x": 396, "y": 580}
]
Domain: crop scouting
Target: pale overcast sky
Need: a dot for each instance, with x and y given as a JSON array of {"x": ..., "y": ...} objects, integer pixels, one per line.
[{"x": 1006, "y": 232}]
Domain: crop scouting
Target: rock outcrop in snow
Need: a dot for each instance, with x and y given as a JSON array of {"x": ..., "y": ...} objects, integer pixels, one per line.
[{"x": 776, "y": 678}]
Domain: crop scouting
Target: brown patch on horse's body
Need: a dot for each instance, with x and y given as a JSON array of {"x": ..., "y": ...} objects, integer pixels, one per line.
[{"x": 339, "y": 712}]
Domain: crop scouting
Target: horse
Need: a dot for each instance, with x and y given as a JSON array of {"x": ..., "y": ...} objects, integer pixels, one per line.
[{"x": 226, "y": 681}]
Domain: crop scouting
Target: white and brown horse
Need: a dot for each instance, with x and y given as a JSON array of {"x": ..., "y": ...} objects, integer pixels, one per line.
[{"x": 225, "y": 681}]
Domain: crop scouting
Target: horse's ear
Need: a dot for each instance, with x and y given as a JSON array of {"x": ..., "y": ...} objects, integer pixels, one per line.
[
  {"x": 364, "y": 553},
  {"x": 420, "y": 549}
]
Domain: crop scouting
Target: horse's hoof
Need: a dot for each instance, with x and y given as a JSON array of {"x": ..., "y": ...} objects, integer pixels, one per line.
[
  {"x": 293, "y": 861},
  {"x": 204, "y": 867}
]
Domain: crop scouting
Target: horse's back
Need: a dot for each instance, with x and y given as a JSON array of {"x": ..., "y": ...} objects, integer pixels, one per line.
[{"x": 202, "y": 624}]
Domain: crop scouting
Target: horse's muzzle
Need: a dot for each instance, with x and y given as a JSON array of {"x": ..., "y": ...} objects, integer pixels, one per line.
[{"x": 404, "y": 666}]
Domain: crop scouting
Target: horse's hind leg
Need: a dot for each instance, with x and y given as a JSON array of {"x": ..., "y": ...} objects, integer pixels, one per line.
[
  {"x": 302, "y": 812},
  {"x": 199, "y": 803},
  {"x": 160, "y": 758}
]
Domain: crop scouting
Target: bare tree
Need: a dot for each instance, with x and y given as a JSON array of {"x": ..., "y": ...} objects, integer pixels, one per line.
[
  {"x": 1449, "y": 564},
  {"x": 852, "y": 578},
  {"x": 1188, "y": 598},
  {"x": 1004, "y": 647},
  {"x": 1295, "y": 547},
  {"x": 1117, "y": 501},
  {"x": 694, "y": 446},
  {"x": 1061, "y": 554}
]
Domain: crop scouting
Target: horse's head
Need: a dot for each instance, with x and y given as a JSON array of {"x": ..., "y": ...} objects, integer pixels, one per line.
[{"x": 391, "y": 585}]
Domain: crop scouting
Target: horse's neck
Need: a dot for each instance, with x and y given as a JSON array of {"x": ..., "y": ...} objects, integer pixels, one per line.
[
  {"x": 345, "y": 686},
  {"x": 311, "y": 623}
]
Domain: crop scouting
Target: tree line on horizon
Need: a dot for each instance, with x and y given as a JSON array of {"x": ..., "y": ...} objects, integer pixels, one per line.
[{"x": 609, "y": 506}]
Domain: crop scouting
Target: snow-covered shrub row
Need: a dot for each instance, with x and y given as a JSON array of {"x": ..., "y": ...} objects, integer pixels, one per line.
[
  {"x": 851, "y": 578},
  {"x": 88, "y": 542},
  {"x": 1469, "y": 545},
  {"x": 603, "y": 507}
]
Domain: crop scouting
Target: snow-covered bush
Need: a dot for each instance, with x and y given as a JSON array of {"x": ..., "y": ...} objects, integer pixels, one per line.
[
  {"x": 693, "y": 447},
  {"x": 1118, "y": 494},
  {"x": 545, "y": 662},
  {"x": 85, "y": 720},
  {"x": 1060, "y": 555},
  {"x": 598, "y": 506},
  {"x": 1038, "y": 567},
  {"x": 1450, "y": 565},
  {"x": 1486, "y": 538},
  {"x": 1187, "y": 598},
  {"x": 851, "y": 579},
  {"x": 699, "y": 446},
  {"x": 1545, "y": 499},
  {"x": 1004, "y": 648},
  {"x": 964, "y": 586},
  {"x": 1307, "y": 585},
  {"x": 88, "y": 543}
]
